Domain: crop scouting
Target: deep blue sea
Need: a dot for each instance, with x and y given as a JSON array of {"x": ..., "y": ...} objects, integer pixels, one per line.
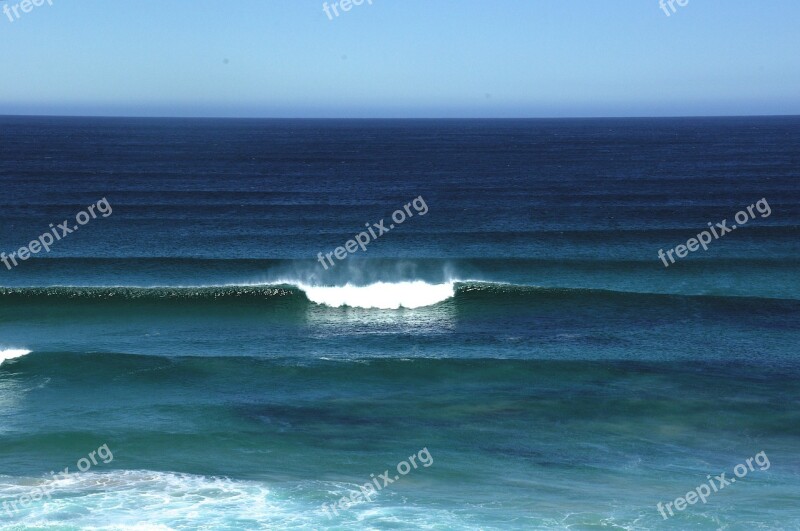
[{"x": 191, "y": 356}]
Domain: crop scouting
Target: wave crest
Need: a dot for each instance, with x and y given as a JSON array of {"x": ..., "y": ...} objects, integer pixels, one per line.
[
  {"x": 381, "y": 295},
  {"x": 12, "y": 353}
]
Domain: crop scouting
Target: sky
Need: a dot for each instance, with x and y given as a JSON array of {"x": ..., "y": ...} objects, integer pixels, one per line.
[{"x": 400, "y": 58}]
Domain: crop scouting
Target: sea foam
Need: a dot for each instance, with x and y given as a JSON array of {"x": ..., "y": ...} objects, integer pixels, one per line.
[
  {"x": 155, "y": 500},
  {"x": 381, "y": 295},
  {"x": 12, "y": 353}
]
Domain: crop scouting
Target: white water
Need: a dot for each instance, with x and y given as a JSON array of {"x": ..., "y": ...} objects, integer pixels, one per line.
[
  {"x": 153, "y": 501},
  {"x": 381, "y": 295},
  {"x": 148, "y": 500},
  {"x": 12, "y": 353}
]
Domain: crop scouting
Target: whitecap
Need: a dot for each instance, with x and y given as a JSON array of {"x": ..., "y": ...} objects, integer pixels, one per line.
[
  {"x": 12, "y": 353},
  {"x": 381, "y": 295}
]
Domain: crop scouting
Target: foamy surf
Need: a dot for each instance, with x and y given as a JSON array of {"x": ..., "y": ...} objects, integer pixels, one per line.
[
  {"x": 12, "y": 353},
  {"x": 381, "y": 295},
  {"x": 153, "y": 500}
]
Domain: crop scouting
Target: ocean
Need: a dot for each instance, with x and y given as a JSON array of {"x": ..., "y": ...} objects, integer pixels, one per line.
[{"x": 204, "y": 348}]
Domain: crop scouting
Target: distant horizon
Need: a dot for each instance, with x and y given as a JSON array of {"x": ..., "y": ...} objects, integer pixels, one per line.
[{"x": 377, "y": 118}]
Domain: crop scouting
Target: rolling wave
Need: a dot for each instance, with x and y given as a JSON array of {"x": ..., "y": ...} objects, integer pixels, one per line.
[
  {"x": 379, "y": 295},
  {"x": 774, "y": 277},
  {"x": 12, "y": 353}
]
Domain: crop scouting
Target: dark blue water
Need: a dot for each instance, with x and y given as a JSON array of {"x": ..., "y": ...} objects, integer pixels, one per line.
[{"x": 518, "y": 325}]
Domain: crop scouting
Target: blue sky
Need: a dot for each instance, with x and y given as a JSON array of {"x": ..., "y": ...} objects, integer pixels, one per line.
[{"x": 401, "y": 58}]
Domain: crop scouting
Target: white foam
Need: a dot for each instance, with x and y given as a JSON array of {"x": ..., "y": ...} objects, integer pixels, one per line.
[
  {"x": 151, "y": 500},
  {"x": 141, "y": 499},
  {"x": 12, "y": 353},
  {"x": 381, "y": 295}
]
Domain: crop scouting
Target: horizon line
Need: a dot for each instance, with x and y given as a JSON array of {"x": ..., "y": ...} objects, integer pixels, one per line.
[{"x": 443, "y": 118}]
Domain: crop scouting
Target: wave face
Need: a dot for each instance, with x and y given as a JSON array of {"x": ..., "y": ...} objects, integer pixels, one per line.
[
  {"x": 771, "y": 275},
  {"x": 467, "y": 320},
  {"x": 380, "y": 295}
]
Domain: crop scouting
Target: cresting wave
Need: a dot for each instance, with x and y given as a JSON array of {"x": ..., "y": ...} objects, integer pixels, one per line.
[
  {"x": 380, "y": 295},
  {"x": 12, "y": 353}
]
